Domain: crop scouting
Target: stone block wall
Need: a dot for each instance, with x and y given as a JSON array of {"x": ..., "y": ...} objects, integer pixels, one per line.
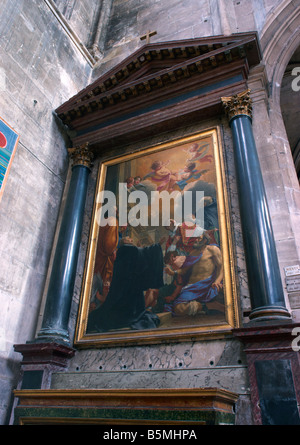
[
  {"x": 40, "y": 68},
  {"x": 81, "y": 15},
  {"x": 175, "y": 20}
]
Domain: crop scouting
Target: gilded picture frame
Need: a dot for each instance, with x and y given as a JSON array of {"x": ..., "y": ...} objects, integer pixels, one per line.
[{"x": 195, "y": 295}]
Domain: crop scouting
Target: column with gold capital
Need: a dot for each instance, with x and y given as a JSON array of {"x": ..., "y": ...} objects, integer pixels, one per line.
[
  {"x": 62, "y": 278},
  {"x": 265, "y": 285}
]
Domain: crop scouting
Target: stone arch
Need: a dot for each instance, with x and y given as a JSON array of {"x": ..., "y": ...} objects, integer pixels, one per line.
[
  {"x": 279, "y": 39},
  {"x": 290, "y": 106}
]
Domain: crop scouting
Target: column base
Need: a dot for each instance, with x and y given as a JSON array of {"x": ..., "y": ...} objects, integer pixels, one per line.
[
  {"x": 270, "y": 314},
  {"x": 274, "y": 371},
  {"x": 46, "y": 335},
  {"x": 40, "y": 360}
]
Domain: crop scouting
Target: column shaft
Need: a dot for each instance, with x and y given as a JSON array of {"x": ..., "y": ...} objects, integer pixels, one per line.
[
  {"x": 265, "y": 285},
  {"x": 62, "y": 278}
]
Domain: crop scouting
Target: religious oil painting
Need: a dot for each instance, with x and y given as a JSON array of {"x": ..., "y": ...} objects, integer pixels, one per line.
[
  {"x": 8, "y": 144},
  {"x": 159, "y": 264}
]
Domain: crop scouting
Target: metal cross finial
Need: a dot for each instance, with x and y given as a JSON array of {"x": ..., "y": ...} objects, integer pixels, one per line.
[{"x": 148, "y": 35}]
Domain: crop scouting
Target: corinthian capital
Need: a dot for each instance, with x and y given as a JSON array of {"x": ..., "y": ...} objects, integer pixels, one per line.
[
  {"x": 238, "y": 104},
  {"x": 81, "y": 156}
]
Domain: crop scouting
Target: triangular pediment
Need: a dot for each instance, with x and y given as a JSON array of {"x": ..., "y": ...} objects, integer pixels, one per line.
[{"x": 156, "y": 66}]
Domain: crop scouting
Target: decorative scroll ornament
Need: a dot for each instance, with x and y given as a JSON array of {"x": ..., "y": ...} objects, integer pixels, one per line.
[
  {"x": 238, "y": 104},
  {"x": 81, "y": 156}
]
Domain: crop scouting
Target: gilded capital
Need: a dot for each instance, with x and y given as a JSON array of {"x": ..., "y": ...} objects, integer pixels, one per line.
[
  {"x": 81, "y": 155},
  {"x": 238, "y": 104}
]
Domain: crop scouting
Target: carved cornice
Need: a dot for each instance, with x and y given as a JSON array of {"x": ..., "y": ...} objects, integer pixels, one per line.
[
  {"x": 81, "y": 156},
  {"x": 159, "y": 87},
  {"x": 155, "y": 69},
  {"x": 159, "y": 398},
  {"x": 239, "y": 104}
]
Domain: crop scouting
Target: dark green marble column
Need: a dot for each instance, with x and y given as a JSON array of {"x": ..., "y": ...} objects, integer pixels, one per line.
[
  {"x": 61, "y": 283},
  {"x": 265, "y": 285}
]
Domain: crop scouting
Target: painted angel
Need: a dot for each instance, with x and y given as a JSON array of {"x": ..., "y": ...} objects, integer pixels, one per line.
[
  {"x": 197, "y": 152},
  {"x": 162, "y": 176},
  {"x": 189, "y": 172}
]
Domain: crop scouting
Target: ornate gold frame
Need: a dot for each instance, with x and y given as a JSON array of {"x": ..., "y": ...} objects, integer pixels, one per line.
[{"x": 162, "y": 335}]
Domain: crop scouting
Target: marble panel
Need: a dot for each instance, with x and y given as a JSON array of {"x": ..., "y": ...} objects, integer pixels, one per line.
[{"x": 231, "y": 378}]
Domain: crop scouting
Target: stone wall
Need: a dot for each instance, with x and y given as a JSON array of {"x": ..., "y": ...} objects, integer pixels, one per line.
[
  {"x": 44, "y": 62},
  {"x": 175, "y": 20},
  {"x": 82, "y": 16},
  {"x": 40, "y": 69}
]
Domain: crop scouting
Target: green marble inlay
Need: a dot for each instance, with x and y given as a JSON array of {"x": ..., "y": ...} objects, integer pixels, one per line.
[{"x": 209, "y": 417}]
